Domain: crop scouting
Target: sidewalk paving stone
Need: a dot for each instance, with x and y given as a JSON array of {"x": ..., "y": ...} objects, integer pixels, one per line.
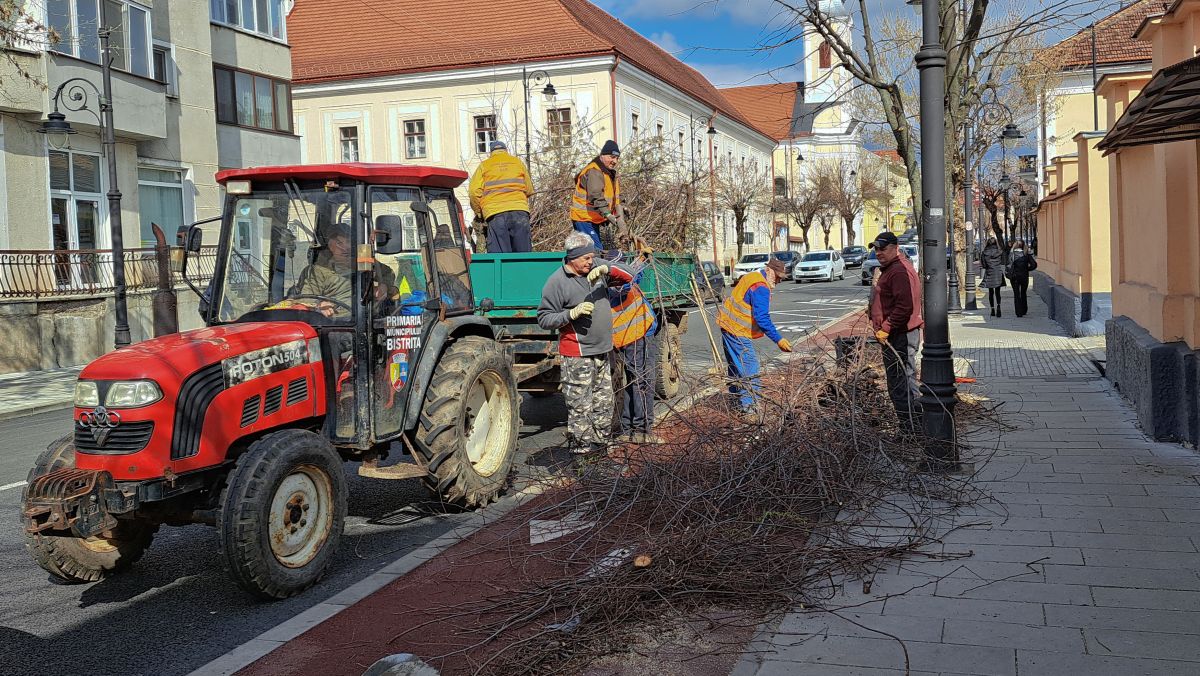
[{"x": 1083, "y": 559}]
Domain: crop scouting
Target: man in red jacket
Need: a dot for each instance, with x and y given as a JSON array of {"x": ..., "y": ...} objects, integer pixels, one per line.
[{"x": 897, "y": 322}]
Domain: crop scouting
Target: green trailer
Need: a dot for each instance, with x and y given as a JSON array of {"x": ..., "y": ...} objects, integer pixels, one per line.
[{"x": 508, "y": 288}]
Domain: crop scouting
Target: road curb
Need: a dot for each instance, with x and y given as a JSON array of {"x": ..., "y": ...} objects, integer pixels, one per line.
[
  {"x": 258, "y": 647},
  {"x": 35, "y": 409}
]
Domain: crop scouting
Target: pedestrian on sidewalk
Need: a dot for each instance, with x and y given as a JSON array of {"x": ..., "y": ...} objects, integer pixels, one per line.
[
  {"x": 596, "y": 203},
  {"x": 1022, "y": 264},
  {"x": 575, "y": 302},
  {"x": 744, "y": 316},
  {"x": 897, "y": 322},
  {"x": 636, "y": 353},
  {"x": 500, "y": 190},
  {"x": 992, "y": 262}
]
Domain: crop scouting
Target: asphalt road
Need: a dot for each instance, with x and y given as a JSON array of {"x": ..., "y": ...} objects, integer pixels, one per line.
[{"x": 176, "y": 610}]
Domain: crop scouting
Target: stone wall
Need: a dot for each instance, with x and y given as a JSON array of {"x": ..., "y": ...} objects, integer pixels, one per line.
[
  {"x": 40, "y": 335},
  {"x": 1161, "y": 380},
  {"x": 1079, "y": 315}
]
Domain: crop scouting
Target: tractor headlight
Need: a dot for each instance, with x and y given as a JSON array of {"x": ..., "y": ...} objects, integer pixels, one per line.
[
  {"x": 87, "y": 395},
  {"x": 132, "y": 393}
]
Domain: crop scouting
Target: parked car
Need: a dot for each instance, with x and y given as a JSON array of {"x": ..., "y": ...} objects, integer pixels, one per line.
[
  {"x": 854, "y": 255},
  {"x": 827, "y": 265},
  {"x": 789, "y": 258},
  {"x": 871, "y": 262},
  {"x": 749, "y": 263},
  {"x": 715, "y": 281}
]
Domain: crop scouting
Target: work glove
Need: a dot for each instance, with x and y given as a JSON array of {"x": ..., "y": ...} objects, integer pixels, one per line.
[
  {"x": 881, "y": 336},
  {"x": 595, "y": 274},
  {"x": 584, "y": 308},
  {"x": 785, "y": 345}
]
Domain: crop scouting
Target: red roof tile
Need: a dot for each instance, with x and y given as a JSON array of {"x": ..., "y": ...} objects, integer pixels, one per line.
[
  {"x": 333, "y": 41},
  {"x": 770, "y": 107},
  {"x": 1115, "y": 43}
]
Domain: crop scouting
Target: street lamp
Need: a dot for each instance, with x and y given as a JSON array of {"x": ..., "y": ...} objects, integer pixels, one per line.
[
  {"x": 938, "y": 392},
  {"x": 535, "y": 78},
  {"x": 56, "y": 128}
]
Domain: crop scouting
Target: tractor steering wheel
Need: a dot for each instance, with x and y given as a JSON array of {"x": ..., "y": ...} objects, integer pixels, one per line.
[{"x": 334, "y": 301}]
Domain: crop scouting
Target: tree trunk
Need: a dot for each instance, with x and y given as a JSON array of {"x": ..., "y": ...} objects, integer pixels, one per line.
[
  {"x": 849, "y": 230},
  {"x": 739, "y": 227}
]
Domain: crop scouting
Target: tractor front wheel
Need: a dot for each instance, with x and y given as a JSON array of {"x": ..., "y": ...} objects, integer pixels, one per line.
[
  {"x": 282, "y": 512},
  {"x": 74, "y": 559},
  {"x": 469, "y": 422}
]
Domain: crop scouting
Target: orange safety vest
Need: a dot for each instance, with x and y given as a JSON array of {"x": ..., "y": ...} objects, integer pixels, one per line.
[
  {"x": 632, "y": 319},
  {"x": 736, "y": 317},
  {"x": 581, "y": 209}
]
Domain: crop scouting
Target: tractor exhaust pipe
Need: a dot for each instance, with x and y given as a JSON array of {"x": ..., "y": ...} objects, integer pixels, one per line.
[{"x": 165, "y": 304}]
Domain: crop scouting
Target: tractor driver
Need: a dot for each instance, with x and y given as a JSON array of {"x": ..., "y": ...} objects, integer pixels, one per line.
[{"x": 328, "y": 278}]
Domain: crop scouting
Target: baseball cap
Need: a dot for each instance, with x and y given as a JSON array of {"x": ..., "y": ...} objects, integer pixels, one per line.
[
  {"x": 886, "y": 239},
  {"x": 497, "y": 145}
]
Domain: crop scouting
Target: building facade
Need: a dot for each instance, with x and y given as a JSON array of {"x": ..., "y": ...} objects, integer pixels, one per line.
[
  {"x": 437, "y": 99},
  {"x": 197, "y": 87}
]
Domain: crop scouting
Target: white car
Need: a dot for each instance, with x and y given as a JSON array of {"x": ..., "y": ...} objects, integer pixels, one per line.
[
  {"x": 749, "y": 263},
  {"x": 827, "y": 265}
]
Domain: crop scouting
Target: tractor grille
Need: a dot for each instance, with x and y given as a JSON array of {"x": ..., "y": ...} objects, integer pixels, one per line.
[
  {"x": 297, "y": 391},
  {"x": 195, "y": 396},
  {"x": 250, "y": 410},
  {"x": 127, "y": 437},
  {"x": 273, "y": 401}
]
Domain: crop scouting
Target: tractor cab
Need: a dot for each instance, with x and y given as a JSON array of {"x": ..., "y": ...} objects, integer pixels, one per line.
[{"x": 372, "y": 257}]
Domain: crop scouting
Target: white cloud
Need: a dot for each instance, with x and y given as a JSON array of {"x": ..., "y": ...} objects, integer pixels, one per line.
[{"x": 667, "y": 41}]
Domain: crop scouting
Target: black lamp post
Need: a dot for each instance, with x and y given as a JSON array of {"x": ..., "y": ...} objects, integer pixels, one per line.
[
  {"x": 938, "y": 392},
  {"x": 77, "y": 94},
  {"x": 535, "y": 78}
]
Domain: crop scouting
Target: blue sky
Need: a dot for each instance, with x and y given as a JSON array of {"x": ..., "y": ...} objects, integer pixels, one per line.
[{"x": 721, "y": 38}]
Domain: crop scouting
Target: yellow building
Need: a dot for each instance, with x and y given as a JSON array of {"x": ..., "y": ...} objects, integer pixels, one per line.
[
  {"x": 894, "y": 212},
  {"x": 431, "y": 92}
]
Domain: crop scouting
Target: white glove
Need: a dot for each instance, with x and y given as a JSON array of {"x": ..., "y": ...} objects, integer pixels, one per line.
[
  {"x": 584, "y": 308},
  {"x": 596, "y": 273}
]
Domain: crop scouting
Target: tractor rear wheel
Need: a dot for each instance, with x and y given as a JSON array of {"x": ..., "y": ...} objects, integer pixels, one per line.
[
  {"x": 75, "y": 559},
  {"x": 282, "y": 513},
  {"x": 469, "y": 422},
  {"x": 669, "y": 376}
]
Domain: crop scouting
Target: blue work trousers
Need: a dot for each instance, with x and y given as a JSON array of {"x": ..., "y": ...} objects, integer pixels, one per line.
[
  {"x": 508, "y": 232},
  {"x": 744, "y": 382},
  {"x": 639, "y": 360},
  {"x": 591, "y": 230}
]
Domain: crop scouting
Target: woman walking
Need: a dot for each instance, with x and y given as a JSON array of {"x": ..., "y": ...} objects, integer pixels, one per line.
[
  {"x": 992, "y": 262},
  {"x": 1022, "y": 264}
]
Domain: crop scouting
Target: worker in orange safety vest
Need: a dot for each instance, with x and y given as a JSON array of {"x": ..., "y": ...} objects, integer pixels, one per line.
[
  {"x": 636, "y": 352},
  {"x": 746, "y": 315},
  {"x": 596, "y": 202}
]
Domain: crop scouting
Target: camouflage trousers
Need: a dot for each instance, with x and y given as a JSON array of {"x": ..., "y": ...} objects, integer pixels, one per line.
[{"x": 588, "y": 388}]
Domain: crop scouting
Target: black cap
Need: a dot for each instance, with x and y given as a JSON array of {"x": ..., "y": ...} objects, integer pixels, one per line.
[
  {"x": 886, "y": 239},
  {"x": 611, "y": 148}
]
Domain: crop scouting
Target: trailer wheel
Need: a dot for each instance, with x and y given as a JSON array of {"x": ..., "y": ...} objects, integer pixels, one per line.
[
  {"x": 282, "y": 512},
  {"x": 670, "y": 374},
  {"x": 467, "y": 432},
  {"x": 74, "y": 559}
]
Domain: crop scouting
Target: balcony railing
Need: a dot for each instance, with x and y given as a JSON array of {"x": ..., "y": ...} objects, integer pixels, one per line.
[{"x": 77, "y": 273}]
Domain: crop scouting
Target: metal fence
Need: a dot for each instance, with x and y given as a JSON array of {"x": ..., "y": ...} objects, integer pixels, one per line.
[{"x": 77, "y": 273}]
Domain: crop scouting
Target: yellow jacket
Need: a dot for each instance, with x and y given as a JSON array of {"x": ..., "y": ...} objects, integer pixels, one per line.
[{"x": 500, "y": 183}]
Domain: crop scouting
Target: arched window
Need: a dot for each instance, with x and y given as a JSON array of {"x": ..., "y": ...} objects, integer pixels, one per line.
[{"x": 825, "y": 55}]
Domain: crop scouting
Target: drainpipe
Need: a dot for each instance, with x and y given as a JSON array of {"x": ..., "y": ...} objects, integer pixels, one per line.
[{"x": 612, "y": 89}]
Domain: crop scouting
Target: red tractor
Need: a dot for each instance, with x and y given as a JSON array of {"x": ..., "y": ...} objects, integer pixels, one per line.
[{"x": 340, "y": 326}]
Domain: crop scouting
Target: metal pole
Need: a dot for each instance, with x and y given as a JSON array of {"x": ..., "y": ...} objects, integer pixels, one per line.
[
  {"x": 121, "y": 332},
  {"x": 938, "y": 392},
  {"x": 525, "y": 89},
  {"x": 1095, "y": 97}
]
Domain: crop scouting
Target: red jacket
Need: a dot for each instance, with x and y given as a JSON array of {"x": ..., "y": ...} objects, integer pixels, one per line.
[{"x": 897, "y": 299}]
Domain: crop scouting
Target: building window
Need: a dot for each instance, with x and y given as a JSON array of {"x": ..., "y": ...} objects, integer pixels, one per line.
[
  {"x": 265, "y": 17},
  {"x": 633, "y": 123},
  {"x": 77, "y": 22},
  {"x": 825, "y": 55},
  {"x": 780, "y": 186},
  {"x": 748, "y": 237},
  {"x": 348, "y": 137},
  {"x": 75, "y": 198},
  {"x": 485, "y": 132},
  {"x": 558, "y": 123},
  {"x": 251, "y": 100},
  {"x": 658, "y": 129},
  {"x": 414, "y": 139},
  {"x": 681, "y": 143},
  {"x": 160, "y": 201}
]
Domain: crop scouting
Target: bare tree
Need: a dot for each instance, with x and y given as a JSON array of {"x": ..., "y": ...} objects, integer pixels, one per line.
[
  {"x": 20, "y": 35},
  {"x": 811, "y": 200},
  {"x": 847, "y": 188},
  {"x": 741, "y": 189}
]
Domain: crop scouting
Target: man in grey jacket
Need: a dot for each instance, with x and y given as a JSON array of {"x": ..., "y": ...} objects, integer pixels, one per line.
[{"x": 575, "y": 302}]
